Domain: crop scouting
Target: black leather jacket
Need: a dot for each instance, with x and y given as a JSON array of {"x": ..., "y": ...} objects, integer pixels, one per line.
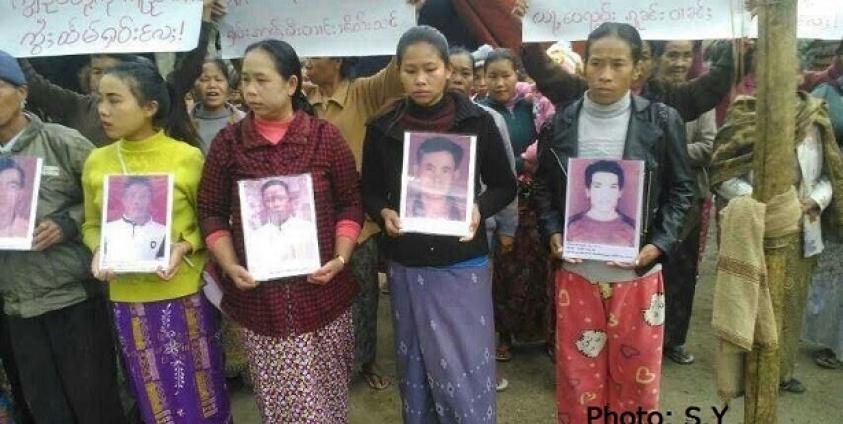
[{"x": 656, "y": 135}]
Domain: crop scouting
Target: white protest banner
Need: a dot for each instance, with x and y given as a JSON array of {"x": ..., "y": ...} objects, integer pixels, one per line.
[
  {"x": 317, "y": 27},
  {"x": 821, "y": 19},
  {"x": 571, "y": 20},
  {"x": 552, "y": 20},
  {"x": 64, "y": 27}
]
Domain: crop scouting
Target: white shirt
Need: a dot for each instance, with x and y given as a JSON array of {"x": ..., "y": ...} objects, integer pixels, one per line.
[
  {"x": 291, "y": 245},
  {"x": 127, "y": 242}
]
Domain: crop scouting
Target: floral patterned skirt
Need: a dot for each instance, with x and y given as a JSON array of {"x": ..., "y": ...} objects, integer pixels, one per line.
[
  {"x": 303, "y": 378},
  {"x": 172, "y": 351}
]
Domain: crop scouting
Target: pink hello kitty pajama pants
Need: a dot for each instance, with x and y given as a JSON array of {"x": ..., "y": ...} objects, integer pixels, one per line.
[{"x": 608, "y": 345}]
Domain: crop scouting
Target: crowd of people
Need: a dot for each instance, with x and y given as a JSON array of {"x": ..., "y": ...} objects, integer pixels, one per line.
[{"x": 81, "y": 343}]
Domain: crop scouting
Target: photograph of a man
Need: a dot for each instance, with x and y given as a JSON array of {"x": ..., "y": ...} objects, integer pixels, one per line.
[
  {"x": 135, "y": 235},
  {"x": 436, "y": 172},
  {"x": 437, "y": 181},
  {"x": 602, "y": 210},
  {"x": 280, "y": 237},
  {"x": 20, "y": 180},
  {"x": 603, "y": 222},
  {"x": 13, "y": 224}
]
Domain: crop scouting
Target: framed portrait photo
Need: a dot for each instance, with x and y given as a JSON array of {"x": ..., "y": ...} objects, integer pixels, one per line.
[
  {"x": 20, "y": 180},
  {"x": 136, "y": 223},
  {"x": 279, "y": 226},
  {"x": 603, "y": 206},
  {"x": 437, "y": 183}
]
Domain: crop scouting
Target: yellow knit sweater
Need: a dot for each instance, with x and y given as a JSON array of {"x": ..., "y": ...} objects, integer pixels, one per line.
[{"x": 156, "y": 154}]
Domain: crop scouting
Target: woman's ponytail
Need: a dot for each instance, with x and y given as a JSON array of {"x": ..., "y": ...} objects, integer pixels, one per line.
[{"x": 300, "y": 102}]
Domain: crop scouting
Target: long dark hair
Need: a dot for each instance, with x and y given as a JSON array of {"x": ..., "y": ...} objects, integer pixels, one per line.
[
  {"x": 625, "y": 32},
  {"x": 147, "y": 85},
  {"x": 287, "y": 64}
]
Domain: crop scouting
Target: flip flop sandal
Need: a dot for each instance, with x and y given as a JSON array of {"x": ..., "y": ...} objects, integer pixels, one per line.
[
  {"x": 503, "y": 354},
  {"x": 827, "y": 359},
  {"x": 793, "y": 386},
  {"x": 376, "y": 381}
]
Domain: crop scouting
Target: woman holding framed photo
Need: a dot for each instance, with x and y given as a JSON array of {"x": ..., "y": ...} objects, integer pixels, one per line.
[
  {"x": 440, "y": 285},
  {"x": 165, "y": 326},
  {"x": 297, "y": 330},
  {"x": 610, "y": 315}
]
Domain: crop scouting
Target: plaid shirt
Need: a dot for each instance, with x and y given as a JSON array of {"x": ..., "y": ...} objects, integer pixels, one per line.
[{"x": 288, "y": 306}]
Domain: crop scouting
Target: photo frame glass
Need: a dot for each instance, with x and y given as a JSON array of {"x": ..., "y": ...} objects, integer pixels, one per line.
[
  {"x": 603, "y": 204},
  {"x": 279, "y": 226},
  {"x": 437, "y": 183},
  {"x": 20, "y": 182},
  {"x": 136, "y": 223}
]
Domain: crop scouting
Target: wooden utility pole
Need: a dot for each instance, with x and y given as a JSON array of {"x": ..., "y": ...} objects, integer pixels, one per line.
[
  {"x": 774, "y": 173},
  {"x": 775, "y": 72}
]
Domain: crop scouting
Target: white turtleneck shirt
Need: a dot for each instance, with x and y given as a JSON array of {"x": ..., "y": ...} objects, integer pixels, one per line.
[{"x": 602, "y": 128}]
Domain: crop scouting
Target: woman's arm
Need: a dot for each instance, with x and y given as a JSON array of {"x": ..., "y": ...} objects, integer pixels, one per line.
[
  {"x": 192, "y": 169},
  {"x": 345, "y": 187},
  {"x": 92, "y": 185},
  {"x": 546, "y": 183},
  {"x": 214, "y": 209},
  {"x": 92, "y": 188}
]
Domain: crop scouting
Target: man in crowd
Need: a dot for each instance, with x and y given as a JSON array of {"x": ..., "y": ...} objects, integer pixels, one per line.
[{"x": 135, "y": 236}]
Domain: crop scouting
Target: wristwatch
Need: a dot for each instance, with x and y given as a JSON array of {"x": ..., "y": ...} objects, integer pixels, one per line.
[{"x": 342, "y": 260}]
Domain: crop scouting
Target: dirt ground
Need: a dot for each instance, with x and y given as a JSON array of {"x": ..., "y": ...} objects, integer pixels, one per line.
[{"x": 530, "y": 397}]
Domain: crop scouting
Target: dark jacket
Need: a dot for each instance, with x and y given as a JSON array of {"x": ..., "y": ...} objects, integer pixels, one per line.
[
  {"x": 382, "y": 165},
  {"x": 691, "y": 99},
  {"x": 656, "y": 135}
]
